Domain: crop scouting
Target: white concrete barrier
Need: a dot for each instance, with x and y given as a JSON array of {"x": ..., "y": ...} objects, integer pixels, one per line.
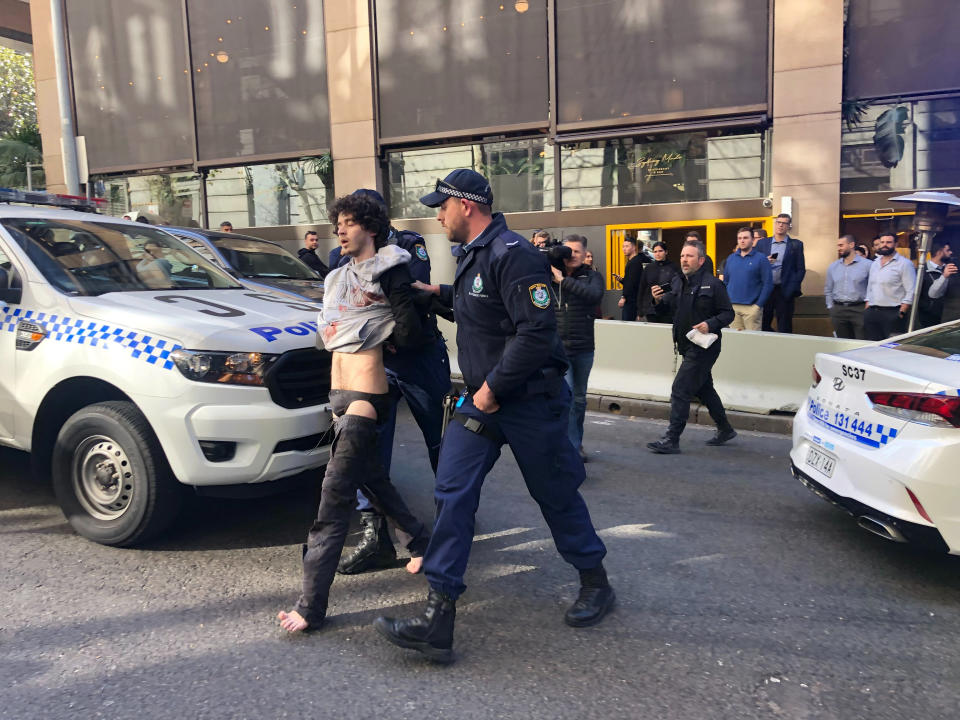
[{"x": 757, "y": 372}]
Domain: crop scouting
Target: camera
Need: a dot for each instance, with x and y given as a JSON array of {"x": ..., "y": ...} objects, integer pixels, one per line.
[
  {"x": 556, "y": 254},
  {"x": 768, "y": 202}
]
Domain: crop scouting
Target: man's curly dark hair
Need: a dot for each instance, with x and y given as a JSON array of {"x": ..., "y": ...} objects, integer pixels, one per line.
[{"x": 366, "y": 211}]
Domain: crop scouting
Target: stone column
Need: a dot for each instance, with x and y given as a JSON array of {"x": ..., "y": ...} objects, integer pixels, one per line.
[
  {"x": 807, "y": 91},
  {"x": 350, "y": 83},
  {"x": 48, "y": 102}
]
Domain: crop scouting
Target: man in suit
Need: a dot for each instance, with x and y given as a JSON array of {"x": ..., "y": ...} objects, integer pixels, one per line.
[{"x": 785, "y": 255}]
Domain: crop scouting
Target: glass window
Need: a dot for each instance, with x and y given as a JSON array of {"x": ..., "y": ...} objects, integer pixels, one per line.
[
  {"x": 619, "y": 59},
  {"x": 260, "y": 77},
  {"x": 520, "y": 174},
  {"x": 280, "y": 193},
  {"x": 169, "y": 199},
  {"x": 682, "y": 167},
  {"x": 449, "y": 66},
  {"x": 902, "y": 146},
  {"x": 131, "y": 83},
  {"x": 261, "y": 259},
  {"x": 93, "y": 258},
  {"x": 899, "y": 47}
]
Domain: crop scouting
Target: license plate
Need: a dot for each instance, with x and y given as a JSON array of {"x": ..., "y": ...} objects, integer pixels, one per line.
[{"x": 821, "y": 461}]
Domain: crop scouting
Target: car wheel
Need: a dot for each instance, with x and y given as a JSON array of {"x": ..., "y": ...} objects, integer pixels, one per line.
[{"x": 111, "y": 477}]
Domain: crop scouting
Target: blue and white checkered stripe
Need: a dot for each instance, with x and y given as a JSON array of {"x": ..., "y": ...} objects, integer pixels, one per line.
[
  {"x": 59, "y": 328},
  {"x": 881, "y": 435}
]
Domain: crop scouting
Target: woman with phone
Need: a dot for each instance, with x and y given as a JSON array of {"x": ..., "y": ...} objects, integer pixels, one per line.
[{"x": 656, "y": 287}]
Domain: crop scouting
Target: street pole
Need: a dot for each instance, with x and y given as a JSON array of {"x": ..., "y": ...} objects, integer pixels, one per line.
[
  {"x": 68, "y": 138},
  {"x": 30, "y": 167},
  {"x": 926, "y": 236}
]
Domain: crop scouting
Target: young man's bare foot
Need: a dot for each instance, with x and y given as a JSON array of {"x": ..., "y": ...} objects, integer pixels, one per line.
[
  {"x": 414, "y": 565},
  {"x": 292, "y": 621}
]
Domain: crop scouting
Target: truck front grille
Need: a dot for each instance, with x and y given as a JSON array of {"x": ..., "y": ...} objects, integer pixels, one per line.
[{"x": 300, "y": 378}]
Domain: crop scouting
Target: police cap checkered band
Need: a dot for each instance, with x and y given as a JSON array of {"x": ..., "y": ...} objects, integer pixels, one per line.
[
  {"x": 448, "y": 189},
  {"x": 465, "y": 183}
]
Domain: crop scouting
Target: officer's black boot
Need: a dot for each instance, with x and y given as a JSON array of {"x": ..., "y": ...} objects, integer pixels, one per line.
[
  {"x": 430, "y": 633},
  {"x": 595, "y": 599},
  {"x": 375, "y": 550}
]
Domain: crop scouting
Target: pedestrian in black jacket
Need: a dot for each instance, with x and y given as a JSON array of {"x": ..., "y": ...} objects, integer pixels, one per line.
[
  {"x": 702, "y": 304},
  {"x": 308, "y": 254},
  {"x": 631, "y": 279},
  {"x": 577, "y": 291},
  {"x": 660, "y": 273}
]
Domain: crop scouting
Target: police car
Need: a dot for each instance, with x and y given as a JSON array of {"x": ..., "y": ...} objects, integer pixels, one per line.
[
  {"x": 259, "y": 264},
  {"x": 130, "y": 366},
  {"x": 880, "y": 436}
]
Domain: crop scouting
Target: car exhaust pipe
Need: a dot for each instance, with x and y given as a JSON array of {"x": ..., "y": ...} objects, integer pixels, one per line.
[{"x": 881, "y": 528}]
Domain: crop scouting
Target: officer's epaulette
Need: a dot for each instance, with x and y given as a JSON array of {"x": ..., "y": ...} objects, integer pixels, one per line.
[{"x": 507, "y": 241}]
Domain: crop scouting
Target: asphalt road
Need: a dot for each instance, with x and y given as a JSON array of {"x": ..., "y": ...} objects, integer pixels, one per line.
[{"x": 741, "y": 595}]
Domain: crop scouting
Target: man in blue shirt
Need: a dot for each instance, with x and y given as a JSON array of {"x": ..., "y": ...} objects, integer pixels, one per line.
[
  {"x": 749, "y": 282},
  {"x": 889, "y": 291},
  {"x": 846, "y": 289}
]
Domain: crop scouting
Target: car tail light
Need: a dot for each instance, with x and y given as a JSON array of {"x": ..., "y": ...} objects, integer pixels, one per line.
[
  {"x": 816, "y": 375},
  {"x": 922, "y": 408}
]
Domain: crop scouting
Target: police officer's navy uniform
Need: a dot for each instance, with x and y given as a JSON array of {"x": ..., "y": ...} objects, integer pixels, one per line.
[
  {"x": 701, "y": 298},
  {"x": 507, "y": 338}
]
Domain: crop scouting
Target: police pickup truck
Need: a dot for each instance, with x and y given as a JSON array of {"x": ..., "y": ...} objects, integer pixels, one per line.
[{"x": 131, "y": 366}]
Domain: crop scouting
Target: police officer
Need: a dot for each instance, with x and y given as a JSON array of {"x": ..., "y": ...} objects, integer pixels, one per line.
[
  {"x": 702, "y": 305},
  {"x": 420, "y": 374},
  {"x": 513, "y": 365}
]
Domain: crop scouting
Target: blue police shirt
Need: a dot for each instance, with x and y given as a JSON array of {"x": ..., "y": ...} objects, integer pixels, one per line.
[{"x": 506, "y": 327}]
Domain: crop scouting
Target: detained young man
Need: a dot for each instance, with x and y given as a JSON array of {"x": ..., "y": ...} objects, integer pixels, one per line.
[{"x": 366, "y": 302}]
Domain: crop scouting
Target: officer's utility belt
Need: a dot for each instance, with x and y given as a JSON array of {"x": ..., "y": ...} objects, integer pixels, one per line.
[{"x": 548, "y": 381}]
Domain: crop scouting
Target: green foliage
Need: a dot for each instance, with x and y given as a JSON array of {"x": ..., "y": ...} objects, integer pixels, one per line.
[
  {"x": 888, "y": 135},
  {"x": 852, "y": 112},
  {"x": 18, "y": 148},
  {"x": 18, "y": 107}
]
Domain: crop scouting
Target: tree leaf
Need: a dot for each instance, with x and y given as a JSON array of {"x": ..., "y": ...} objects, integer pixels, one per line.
[{"x": 888, "y": 135}]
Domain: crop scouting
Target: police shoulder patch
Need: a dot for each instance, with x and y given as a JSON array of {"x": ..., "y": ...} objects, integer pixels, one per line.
[
  {"x": 421, "y": 251},
  {"x": 539, "y": 295}
]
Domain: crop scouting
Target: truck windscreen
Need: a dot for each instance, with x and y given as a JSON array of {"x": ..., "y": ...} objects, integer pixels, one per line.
[{"x": 94, "y": 258}]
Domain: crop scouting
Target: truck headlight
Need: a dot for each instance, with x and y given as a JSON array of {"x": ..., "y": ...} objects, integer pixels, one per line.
[{"x": 234, "y": 368}]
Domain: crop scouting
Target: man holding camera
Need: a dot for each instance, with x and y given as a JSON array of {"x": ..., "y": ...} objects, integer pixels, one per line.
[
  {"x": 703, "y": 306},
  {"x": 577, "y": 290}
]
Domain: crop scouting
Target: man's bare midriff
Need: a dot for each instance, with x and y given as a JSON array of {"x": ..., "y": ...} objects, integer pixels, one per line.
[{"x": 361, "y": 371}]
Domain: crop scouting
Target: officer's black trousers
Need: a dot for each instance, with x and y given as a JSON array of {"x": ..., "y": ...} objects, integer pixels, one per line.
[
  {"x": 354, "y": 463},
  {"x": 694, "y": 379}
]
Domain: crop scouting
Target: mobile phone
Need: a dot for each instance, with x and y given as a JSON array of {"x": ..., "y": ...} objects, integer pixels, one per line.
[
  {"x": 666, "y": 287},
  {"x": 775, "y": 255}
]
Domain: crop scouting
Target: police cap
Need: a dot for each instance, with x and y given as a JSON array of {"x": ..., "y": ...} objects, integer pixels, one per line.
[{"x": 467, "y": 184}]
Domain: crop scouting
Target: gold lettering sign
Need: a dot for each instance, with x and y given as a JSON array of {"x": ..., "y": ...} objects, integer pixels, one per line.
[{"x": 657, "y": 165}]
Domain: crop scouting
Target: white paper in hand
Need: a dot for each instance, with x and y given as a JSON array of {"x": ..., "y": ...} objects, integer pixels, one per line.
[{"x": 704, "y": 340}]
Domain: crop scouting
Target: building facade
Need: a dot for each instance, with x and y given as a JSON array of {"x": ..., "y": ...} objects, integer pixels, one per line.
[{"x": 623, "y": 118}]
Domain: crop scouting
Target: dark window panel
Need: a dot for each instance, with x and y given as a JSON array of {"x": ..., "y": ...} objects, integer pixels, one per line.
[
  {"x": 445, "y": 66},
  {"x": 901, "y": 47},
  {"x": 131, "y": 82},
  {"x": 622, "y": 59},
  {"x": 260, "y": 77}
]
